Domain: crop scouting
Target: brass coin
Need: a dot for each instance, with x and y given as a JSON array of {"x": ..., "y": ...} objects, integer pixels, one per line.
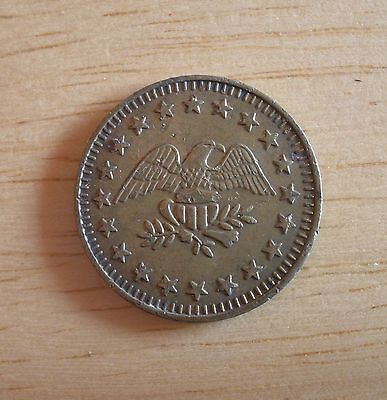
[{"x": 198, "y": 198}]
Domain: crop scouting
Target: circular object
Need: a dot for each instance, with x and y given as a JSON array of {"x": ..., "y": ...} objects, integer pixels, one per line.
[{"x": 198, "y": 198}]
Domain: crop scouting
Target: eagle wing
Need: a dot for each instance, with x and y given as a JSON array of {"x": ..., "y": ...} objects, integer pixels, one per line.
[
  {"x": 159, "y": 170},
  {"x": 241, "y": 169}
]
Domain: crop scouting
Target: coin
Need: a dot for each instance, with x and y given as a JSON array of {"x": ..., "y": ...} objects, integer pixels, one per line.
[{"x": 198, "y": 198}]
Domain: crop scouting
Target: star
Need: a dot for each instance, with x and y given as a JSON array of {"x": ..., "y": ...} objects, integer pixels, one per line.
[
  {"x": 273, "y": 249},
  {"x": 289, "y": 193},
  {"x": 143, "y": 272},
  {"x": 193, "y": 104},
  {"x": 223, "y": 108},
  {"x": 252, "y": 270},
  {"x": 107, "y": 226},
  {"x": 248, "y": 120},
  {"x": 120, "y": 145},
  {"x": 107, "y": 170},
  {"x": 227, "y": 284},
  {"x": 283, "y": 164},
  {"x": 165, "y": 110},
  {"x": 285, "y": 223},
  {"x": 168, "y": 285},
  {"x": 270, "y": 139},
  {"x": 121, "y": 252},
  {"x": 197, "y": 289},
  {"x": 139, "y": 124},
  {"x": 103, "y": 198}
]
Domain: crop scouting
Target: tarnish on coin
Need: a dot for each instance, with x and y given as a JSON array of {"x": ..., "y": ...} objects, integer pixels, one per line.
[{"x": 198, "y": 198}]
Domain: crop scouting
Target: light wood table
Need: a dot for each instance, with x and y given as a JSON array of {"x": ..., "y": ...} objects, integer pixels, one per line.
[{"x": 63, "y": 333}]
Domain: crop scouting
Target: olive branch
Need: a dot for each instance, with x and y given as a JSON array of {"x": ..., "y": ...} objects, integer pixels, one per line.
[{"x": 159, "y": 233}]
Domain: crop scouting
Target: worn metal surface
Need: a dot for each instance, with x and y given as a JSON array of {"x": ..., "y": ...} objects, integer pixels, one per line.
[{"x": 198, "y": 198}]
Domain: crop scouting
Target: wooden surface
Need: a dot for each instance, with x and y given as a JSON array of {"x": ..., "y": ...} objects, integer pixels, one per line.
[{"x": 63, "y": 333}]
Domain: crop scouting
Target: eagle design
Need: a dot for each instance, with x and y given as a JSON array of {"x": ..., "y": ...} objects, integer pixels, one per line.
[{"x": 194, "y": 180}]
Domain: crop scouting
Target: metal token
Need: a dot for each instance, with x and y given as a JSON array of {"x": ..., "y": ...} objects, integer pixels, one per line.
[{"x": 198, "y": 198}]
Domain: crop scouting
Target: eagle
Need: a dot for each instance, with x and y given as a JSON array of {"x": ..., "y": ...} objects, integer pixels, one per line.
[{"x": 194, "y": 180}]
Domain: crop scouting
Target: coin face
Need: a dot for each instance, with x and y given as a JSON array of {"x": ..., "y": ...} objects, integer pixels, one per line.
[{"x": 198, "y": 198}]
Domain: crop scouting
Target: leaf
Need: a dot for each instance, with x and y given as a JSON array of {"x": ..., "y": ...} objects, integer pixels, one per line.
[
  {"x": 248, "y": 219},
  {"x": 158, "y": 243},
  {"x": 223, "y": 214},
  {"x": 169, "y": 227},
  {"x": 144, "y": 235},
  {"x": 225, "y": 226},
  {"x": 249, "y": 209},
  {"x": 235, "y": 222},
  {"x": 158, "y": 225},
  {"x": 169, "y": 240},
  {"x": 149, "y": 227},
  {"x": 207, "y": 251},
  {"x": 196, "y": 248},
  {"x": 235, "y": 210},
  {"x": 185, "y": 236}
]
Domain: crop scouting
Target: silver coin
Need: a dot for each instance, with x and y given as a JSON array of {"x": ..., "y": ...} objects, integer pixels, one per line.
[{"x": 198, "y": 198}]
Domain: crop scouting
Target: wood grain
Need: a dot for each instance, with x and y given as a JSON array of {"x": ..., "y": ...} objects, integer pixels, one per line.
[{"x": 63, "y": 333}]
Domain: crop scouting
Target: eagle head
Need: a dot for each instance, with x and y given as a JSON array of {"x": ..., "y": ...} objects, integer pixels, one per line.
[{"x": 198, "y": 157}]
